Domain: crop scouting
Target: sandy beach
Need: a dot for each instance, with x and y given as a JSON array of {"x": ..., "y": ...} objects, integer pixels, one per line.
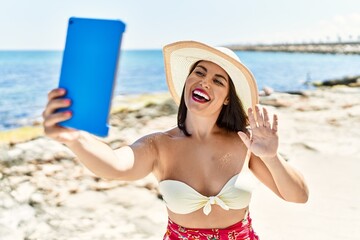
[{"x": 46, "y": 194}]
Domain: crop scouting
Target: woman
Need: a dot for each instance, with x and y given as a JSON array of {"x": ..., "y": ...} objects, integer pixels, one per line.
[{"x": 206, "y": 165}]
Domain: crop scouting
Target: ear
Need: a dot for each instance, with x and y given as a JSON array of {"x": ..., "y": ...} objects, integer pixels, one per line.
[{"x": 226, "y": 102}]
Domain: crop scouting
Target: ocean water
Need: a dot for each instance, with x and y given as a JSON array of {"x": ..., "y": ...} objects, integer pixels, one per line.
[{"x": 27, "y": 76}]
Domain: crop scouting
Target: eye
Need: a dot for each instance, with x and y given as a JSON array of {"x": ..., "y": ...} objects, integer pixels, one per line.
[
  {"x": 218, "y": 82},
  {"x": 199, "y": 73}
]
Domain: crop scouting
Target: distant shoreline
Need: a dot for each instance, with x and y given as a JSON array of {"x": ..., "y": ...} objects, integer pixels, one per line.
[{"x": 331, "y": 47}]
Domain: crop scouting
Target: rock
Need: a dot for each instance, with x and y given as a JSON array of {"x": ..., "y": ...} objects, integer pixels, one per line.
[
  {"x": 23, "y": 192},
  {"x": 278, "y": 103},
  {"x": 51, "y": 169},
  {"x": 11, "y": 157},
  {"x": 7, "y": 233},
  {"x": 105, "y": 185},
  {"x": 87, "y": 200},
  {"x": 41, "y": 229},
  {"x": 15, "y": 216},
  {"x": 169, "y": 107},
  {"x": 41, "y": 149},
  {"x": 352, "y": 81},
  {"x": 15, "y": 180},
  {"x": 23, "y": 170},
  {"x": 266, "y": 91},
  {"x": 36, "y": 198},
  {"x": 6, "y": 201}
]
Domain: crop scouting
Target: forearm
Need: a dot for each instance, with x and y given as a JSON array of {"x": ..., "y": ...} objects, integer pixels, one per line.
[
  {"x": 97, "y": 156},
  {"x": 289, "y": 182}
]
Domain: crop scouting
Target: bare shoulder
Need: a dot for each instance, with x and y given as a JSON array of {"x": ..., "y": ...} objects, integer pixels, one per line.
[{"x": 157, "y": 138}]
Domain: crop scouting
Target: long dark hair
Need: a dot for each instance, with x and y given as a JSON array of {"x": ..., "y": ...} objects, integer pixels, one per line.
[{"x": 232, "y": 116}]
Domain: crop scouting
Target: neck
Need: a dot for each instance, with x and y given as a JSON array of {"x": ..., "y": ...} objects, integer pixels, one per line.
[{"x": 201, "y": 127}]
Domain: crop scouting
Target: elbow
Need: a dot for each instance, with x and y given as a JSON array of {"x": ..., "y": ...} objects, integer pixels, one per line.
[
  {"x": 302, "y": 199},
  {"x": 305, "y": 196},
  {"x": 301, "y": 194},
  {"x": 299, "y": 197}
]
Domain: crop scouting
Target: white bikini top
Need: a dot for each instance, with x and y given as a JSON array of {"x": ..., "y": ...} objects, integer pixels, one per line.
[{"x": 180, "y": 198}]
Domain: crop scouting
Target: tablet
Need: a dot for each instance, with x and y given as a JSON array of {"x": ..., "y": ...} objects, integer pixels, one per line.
[{"x": 88, "y": 72}]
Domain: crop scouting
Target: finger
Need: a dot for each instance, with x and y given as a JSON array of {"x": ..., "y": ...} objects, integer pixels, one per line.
[
  {"x": 246, "y": 140},
  {"x": 259, "y": 116},
  {"x": 275, "y": 123},
  {"x": 266, "y": 118},
  {"x": 54, "y": 105},
  {"x": 54, "y": 119},
  {"x": 55, "y": 93},
  {"x": 251, "y": 118}
]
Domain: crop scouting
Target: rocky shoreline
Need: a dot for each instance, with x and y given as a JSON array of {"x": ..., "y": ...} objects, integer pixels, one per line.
[{"x": 46, "y": 194}]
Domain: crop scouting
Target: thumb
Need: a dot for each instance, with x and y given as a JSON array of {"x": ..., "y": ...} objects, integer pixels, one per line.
[{"x": 244, "y": 138}]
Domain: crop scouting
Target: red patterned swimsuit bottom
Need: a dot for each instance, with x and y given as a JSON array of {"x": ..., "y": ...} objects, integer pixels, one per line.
[{"x": 239, "y": 231}]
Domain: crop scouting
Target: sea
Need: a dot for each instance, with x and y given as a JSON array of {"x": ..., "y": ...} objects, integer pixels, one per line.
[{"x": 27, "y": 76}]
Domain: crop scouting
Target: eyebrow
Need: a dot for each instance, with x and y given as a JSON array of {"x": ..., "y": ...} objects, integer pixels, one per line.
[{"x": 217, "y": 75}]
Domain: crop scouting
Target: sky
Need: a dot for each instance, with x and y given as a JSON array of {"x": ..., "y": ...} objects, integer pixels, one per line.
[{"x": 151, "y": 24}]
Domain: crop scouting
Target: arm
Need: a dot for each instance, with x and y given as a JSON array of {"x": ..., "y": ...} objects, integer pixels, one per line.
[
  {"x": 267, "y": 165},
  {"x": 281, "y": 178},
  {"x": 126, "y": 163}
]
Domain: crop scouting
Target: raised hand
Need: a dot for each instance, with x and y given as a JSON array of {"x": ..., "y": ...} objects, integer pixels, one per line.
[{"x": 264, "y": 140}]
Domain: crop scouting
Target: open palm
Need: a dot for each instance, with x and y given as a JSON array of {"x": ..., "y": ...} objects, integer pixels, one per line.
[{"x": 264, "y": 140}]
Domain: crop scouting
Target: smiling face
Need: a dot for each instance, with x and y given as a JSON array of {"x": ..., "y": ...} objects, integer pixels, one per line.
[{"x": 206, "y": 88}]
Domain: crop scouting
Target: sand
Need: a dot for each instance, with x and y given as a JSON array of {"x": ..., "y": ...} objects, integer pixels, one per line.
[
  {"x": 46, "y": 194},
  {"x": 323, "y": 142}
]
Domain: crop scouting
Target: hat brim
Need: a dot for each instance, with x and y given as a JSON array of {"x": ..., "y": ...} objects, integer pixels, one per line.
[{"x": 180, "y": 56}]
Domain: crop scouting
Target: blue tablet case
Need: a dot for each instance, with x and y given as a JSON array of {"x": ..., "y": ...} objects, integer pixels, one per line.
[{"x": 88, "y": 71}]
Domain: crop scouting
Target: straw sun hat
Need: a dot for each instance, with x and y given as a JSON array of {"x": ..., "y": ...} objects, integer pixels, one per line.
[{"x": 180, "y": 56}]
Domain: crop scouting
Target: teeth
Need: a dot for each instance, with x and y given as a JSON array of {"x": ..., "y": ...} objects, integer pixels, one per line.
[{"x": 201, "y": 94}]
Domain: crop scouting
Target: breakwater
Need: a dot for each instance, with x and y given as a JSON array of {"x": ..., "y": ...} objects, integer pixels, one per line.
[{"x": 332, "y": 47}]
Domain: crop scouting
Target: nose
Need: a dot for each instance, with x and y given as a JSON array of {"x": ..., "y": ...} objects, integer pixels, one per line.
[{"x": 205, "y": 83}]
